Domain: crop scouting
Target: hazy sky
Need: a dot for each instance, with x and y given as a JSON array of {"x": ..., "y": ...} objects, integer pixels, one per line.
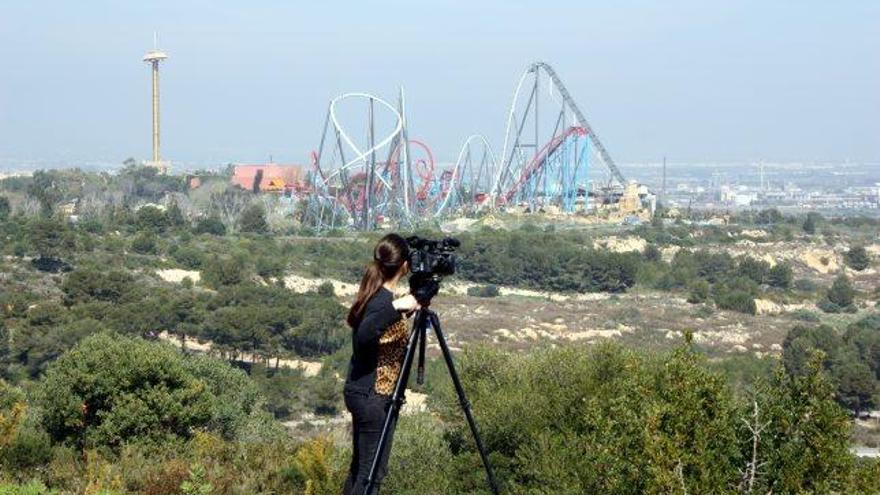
[{"x": 694, "y": 80}]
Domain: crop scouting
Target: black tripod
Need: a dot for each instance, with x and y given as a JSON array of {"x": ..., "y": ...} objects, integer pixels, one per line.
[{"x": 417, "y": 337}]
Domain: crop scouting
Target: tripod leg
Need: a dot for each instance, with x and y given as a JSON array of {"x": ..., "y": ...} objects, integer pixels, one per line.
[
  {"x": 462, "y": 399},
  {"x": 396, "y": 398},
  {"x": 420, "y": 369}
]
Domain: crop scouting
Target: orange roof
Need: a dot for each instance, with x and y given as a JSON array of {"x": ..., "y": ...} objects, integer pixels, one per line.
[{"x": 272, "y": 176}]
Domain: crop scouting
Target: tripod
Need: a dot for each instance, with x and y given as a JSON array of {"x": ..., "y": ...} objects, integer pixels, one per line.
[{"x": 422, "y": 320}]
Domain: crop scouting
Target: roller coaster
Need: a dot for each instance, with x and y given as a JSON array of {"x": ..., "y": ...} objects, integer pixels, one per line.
[{"x": 387, "y": 177}]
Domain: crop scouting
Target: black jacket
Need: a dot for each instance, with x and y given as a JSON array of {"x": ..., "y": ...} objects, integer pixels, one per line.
[{"x": 378, "y": 315}]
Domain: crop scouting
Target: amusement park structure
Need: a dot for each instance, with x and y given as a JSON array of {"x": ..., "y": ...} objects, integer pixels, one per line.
[{"x": 388, "y": 177}]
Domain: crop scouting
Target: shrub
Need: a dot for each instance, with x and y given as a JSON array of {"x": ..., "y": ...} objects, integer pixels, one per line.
[
  {"x": 5, "y": 208},
  {"x": 189, "y": 257},
  {"x": 82, "y": 286},
  {"x": 150, "y": 218},
  {"x": 756, "y": 270},
  {"x": 33, "y": 488},
  {"x": 805, "y": 315},
  {"x": 780, "y": 276},
  {"x": 652, "y": 253},
  {"x": 144, "y": 243},
  {"x": 253, "y": 219},
  {"x": 210, "y": 225},
  {"x": 736, "y": 300},
  {"x": 110, "y": 389},
  {"x": 30, "y": 447},
  {"x": 489, "y": 290},
  {"x": 841, "y": 292},
  {"x": 811, "y": 222},
  {"x": 857, "y": 258},
  {"x": 699, "y": 292},
  {"x": 805, "y": 285},
  {"x": 220, "y": 271}
]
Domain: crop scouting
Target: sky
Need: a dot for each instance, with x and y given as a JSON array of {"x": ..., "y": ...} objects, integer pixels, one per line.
[{"x": 693, "y": 80}]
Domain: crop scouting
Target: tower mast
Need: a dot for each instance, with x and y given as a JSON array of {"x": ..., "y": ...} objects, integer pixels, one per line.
[{"x": 153, "y": 57}]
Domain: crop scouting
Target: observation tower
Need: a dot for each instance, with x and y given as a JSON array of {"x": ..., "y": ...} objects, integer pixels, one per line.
[{"x": 153, "y": 57}]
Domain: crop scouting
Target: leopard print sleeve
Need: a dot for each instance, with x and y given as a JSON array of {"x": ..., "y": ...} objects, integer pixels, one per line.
[{"x": 392, "y": 347}]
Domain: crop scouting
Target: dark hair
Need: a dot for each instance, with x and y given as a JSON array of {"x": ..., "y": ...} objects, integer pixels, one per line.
[{"x": 390, "y": 253}]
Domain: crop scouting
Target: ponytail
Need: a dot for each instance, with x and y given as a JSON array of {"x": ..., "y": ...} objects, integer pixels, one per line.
[
  {"x": 389, "y": 255},
  {"x": 370, "y": 285}
]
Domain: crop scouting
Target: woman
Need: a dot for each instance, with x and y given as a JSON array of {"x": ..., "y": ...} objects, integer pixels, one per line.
[{"x": 379, "y": 338}]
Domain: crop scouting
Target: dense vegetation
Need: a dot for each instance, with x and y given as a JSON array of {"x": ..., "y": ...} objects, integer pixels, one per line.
[
  {"x": 92, "y": 400},
  {"x": 604, "y": 420}
]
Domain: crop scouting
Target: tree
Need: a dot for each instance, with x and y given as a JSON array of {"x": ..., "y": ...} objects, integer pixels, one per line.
[
  {"x": 856, "y": 384},
  {"x": 253, "y": 219},
  {"x": 699, "y": 292},
  {"x": 220, "y": 271},
  {"x": 150, "y": 218},
  {"x": 5, "y": 208},
  {"x": 768, "y": 216},
  {"x": 110, "y": 389},
  {"x": 652, "y": 253},
  {"x": 805, "y": 446},
  {"x": 174, "y": 215},
  {"x": 757, "y": 270},
  {"x": 841, "y": 292},
  {"x": 736, "y": 300},
  {"x": 49, "y": 237},
  {"x": 811, "y": 222},
  {"x": 857, "y": 258},
  {"x": 210, "y": 225},
  {"x": 46, "y": 190},
  {"x": 801, "y": 343},
  {"x": 84, "y": 286},
  {"x": 144, "y": 243},
  {"x": 864, "y": 336},
  {"x": 780, "y": 276}
]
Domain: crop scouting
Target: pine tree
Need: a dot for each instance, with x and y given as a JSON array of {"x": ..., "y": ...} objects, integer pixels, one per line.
[
  {"x": 841, "y": 292},
  {"x": 857, "y": 258}
]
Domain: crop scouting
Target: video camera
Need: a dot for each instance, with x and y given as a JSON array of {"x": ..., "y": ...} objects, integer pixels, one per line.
[{"x": 429, "y": 261}]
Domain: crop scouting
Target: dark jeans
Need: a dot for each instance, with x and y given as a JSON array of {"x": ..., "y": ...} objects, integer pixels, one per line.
[{"x": 368, "y": 411}]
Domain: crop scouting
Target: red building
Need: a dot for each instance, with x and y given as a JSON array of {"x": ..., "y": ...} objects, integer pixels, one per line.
[{"x": 270, "y": 177}]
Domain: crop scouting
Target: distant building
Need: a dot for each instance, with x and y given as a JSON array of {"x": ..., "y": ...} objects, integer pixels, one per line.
[{"x": 270, "y": 177}]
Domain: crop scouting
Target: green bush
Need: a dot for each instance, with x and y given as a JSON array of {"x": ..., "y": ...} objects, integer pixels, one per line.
[
  {"x": 652, "y": 253},
  {"x": 32, "y": 488},
  {"x": 754, "y": 269},
  {"x": 219, "y": 271},
  {"x": 489, "y": 290},
  {"x": 30, "y": 447},
  {"x": 780, "y": 276},
  {"x": 210, "y": 225},
  {"x": 806, "y": 285},
  {"x": 840, "y": 295},
  {"x": 110, "y": 389},
  {"x": 5, "y": 208},
  {"x": 82, "y": 286},
  {"x": 736, "y": 300},
  {"x": 699, "y": 292},
  {"x": 189, "y": 257},
  {"x": 857, "y": 258},
  {"x": 805, "y": 315},
  {"x": 253, "y": 219},
  {"x": 144, "y": 243}
]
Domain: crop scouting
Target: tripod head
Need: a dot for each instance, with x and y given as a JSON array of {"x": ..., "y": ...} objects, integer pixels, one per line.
[{"x": 424, "y": 286}]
